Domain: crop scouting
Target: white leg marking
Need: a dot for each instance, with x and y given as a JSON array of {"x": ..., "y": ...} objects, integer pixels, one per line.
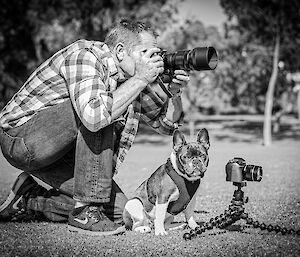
[
  {"x": 135, "y": 209},
  {"x": 160, "y": 214}
]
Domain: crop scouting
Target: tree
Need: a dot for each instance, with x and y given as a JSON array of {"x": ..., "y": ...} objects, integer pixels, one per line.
[
  {"x": 274, "y": 24},
  {"x": 187, "y": 35},
  {"x": 32, "y": 30}
]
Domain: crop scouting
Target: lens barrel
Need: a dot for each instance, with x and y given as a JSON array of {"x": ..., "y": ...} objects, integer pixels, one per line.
[
  {"x": 200, "y": 58},
  {"x": 253, "y": 173}
]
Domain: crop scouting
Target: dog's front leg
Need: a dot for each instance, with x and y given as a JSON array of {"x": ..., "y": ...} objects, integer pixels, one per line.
[
  {"x": 189, "y": 212},
  {"x": 160, "y": 215}
]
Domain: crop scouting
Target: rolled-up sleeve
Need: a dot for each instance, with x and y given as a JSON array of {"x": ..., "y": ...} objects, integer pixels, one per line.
[
  {"x": 154, "y": 112},
  {"x": 89, "y": 94}
]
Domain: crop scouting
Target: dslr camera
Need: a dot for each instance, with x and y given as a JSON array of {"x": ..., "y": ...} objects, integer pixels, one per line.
[
  {"x": 199, "y": 58},
  {"x": 238, "y": 171}
]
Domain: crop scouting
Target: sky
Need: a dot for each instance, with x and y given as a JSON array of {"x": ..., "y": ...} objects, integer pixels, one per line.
[{"x": 208, "y": 11}]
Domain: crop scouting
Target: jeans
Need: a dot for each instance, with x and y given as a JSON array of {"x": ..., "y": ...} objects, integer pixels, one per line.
[{"x": 55, "y": 147}]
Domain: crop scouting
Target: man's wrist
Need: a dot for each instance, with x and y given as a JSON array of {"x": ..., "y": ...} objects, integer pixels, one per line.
[
  {"x": 139, "y": 81},
  {"x": 174, "y": 91}
]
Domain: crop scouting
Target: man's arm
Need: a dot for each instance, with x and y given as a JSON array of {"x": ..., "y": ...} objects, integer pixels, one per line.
[
  {"x": 161, "y": 113},
  {"x": 174, "y": 111},
  {"x": 126, "y": 94},
  {"x": 179, "y": 82},
  {"x": 147, "y": 68},
  {"x": 95, "y": 105},
  {"x": 154, "y": 109}
]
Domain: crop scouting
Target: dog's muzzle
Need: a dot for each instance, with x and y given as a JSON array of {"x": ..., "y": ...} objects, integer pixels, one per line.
[{"x": 198, "y": 168}]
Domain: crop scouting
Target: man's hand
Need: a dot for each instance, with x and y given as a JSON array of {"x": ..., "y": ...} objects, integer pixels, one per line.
[
  {"x": 179, "y": 81},
  {"x": 149, "y": 65}
]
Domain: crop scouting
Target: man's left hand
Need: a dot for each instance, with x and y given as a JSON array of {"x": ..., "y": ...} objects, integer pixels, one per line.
[{"x": 179, "y": 81}]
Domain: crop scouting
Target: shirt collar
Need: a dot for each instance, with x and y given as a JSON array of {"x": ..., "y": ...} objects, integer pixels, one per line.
[{"x": 109, "y": 63}]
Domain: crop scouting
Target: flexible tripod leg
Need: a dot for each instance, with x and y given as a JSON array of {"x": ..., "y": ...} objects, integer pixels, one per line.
[{"x": 230, "y": 216}]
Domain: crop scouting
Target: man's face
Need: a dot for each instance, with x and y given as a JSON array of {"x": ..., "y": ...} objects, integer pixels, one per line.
[{"x": 128, "y": 65}]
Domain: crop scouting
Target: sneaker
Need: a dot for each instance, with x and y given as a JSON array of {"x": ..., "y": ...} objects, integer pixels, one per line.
[
  {"x": 91, "y": 220},
  {"x": 14, "y": 206}
]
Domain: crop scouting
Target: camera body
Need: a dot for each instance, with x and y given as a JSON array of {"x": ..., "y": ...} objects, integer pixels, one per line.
[
  {"x": 199, "y": 58},
  {"x": 238, "y": 171}
]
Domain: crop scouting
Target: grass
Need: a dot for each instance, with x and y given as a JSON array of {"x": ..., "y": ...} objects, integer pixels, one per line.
[{"x": 275, "y": 200}]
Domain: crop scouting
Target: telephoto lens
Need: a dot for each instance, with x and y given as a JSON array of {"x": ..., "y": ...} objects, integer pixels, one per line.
[{"x": 199, "y": 58}]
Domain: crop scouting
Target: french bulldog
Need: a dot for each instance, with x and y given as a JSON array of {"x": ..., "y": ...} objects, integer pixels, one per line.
[{"x": 171, "y": 189}]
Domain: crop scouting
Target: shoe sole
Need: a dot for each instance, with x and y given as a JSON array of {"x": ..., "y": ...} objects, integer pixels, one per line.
[
  {"x": 24, "y": 181},
  {"x": 8, "y": 201},
  {"x": 96, "y": 233}
]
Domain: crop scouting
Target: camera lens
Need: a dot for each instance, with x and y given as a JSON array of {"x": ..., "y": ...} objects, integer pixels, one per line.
[
  {"x": 200, "y": 58},
  {"x": 253, "y": 173},
  {"x": 203, "y": 58}
]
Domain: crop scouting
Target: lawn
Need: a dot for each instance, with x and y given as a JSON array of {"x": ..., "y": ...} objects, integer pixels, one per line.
[{"x": 274, "y": 200}]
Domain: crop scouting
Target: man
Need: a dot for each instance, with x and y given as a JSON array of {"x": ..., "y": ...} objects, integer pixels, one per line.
[{"x": 77, "y": 116}]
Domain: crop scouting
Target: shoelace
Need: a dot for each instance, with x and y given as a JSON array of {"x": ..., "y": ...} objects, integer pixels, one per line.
[{"x": 95, "y": 213}]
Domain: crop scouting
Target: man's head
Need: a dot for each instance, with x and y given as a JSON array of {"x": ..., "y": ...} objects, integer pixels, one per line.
[
  {"x": 127, "y": 40},
  {"x": 128, "y": 33}
]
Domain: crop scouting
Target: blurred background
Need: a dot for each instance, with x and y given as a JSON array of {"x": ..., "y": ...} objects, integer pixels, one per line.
[
  {"x": 257, "y": 41},
  {"x": 251, "y": 100}
]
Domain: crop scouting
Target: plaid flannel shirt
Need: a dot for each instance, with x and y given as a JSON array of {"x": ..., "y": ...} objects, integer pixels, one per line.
[{"x": 85, "y": 72}]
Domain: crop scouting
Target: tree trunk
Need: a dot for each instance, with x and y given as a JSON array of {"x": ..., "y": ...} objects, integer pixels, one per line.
[
  {"x": 267, "y": 134},
  {"x": 192, "y": 129},
  {"x": 298, "y": 103}
]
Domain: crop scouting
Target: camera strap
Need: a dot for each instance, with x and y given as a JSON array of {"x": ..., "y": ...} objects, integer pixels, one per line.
[{"x": 162, "y": 86}]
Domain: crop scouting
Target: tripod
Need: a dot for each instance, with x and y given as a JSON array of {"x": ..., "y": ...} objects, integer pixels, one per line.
[{"x": 235, "y": 212}]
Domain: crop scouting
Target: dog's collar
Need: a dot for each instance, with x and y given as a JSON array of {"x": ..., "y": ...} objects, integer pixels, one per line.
[{"x": 172, "y": 164}]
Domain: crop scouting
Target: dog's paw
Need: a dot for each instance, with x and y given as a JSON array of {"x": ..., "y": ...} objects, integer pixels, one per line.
[
  {"x": 160, "y": 232},
  {"x": 142, "y": 229},
  {"x": 192, "y": 223}
]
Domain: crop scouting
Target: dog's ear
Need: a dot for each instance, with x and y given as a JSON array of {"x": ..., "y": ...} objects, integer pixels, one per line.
[
  {"x": 178, "y": 140},
  {"x": 203, "y": 138}
]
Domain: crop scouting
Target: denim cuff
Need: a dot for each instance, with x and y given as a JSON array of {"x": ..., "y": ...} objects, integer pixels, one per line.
[{"x": 99, "y": 193}]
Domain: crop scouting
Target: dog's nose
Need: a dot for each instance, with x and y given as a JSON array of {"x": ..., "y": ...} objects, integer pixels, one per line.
[{"x": 196, "y": 162}]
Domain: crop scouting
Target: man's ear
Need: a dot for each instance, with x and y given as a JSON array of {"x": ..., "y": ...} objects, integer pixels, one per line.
[
  {"x": 119, "y": 51},
  {"x": 178, "y": 140},
  {"x": 203, "y": 138}
]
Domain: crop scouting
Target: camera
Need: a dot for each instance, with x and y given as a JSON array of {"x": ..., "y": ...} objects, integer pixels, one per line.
[
  {"x": 238, "y": 171},
  {"x": 199, "y": 58}
]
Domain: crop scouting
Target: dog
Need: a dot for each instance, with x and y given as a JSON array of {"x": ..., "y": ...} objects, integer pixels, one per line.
[{"x": 171, "y": 189}]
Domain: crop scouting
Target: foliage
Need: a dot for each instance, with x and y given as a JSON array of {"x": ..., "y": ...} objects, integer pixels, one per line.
[
  {"x": 238, "y": 84},
  {"x": 274, "y": 24},
  {"x": 261, "y": 20},
  {"x": 32, "y": 30},
  {"x": 258, "y": 22}
]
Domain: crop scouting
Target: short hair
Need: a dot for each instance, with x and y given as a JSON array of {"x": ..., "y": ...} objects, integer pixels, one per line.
[{"x": 127, "y": 32}]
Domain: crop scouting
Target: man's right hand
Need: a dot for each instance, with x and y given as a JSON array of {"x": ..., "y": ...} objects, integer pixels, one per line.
[{"x": 149, "y": 65}]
